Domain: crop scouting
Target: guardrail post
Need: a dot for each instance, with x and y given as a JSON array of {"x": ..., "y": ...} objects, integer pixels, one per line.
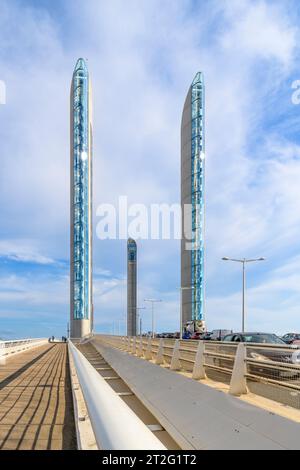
[
  {"x": 140, "y": 348},
  {"x": 175, "y": 362},
  {"x": 123, "y": 345},
  {"x": 199, "y": 370},
  {"x": 133, "y": 347},
  {"x": 238, "y": 383},
  {"x": 148, "y": 353},
  {"x": 128, "y": 344},
  {"x": 160, "y": 353}
]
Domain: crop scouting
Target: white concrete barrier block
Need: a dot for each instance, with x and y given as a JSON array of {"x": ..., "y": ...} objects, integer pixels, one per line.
[
  {"x": 238, "y": 383},
  {"x": 199, "y": 370},
  {"x": 175, "y": 362},
  {"x": 133, "y": 346},
  {"x": 148, "y": 353},
  {"x": 140, "y": 347},
  {"x": 160, "y": 353}
]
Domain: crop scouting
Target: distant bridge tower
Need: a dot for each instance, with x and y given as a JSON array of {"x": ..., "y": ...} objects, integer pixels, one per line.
[
  {"x": 81, "y": 304},
  {"x": 131, "y": 287}
]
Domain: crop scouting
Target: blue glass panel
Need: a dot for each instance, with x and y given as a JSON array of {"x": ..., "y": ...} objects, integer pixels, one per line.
[
  {"x": 197, "y": 197},
  {"x": 81, "y": 150},
  {"x": 131, "y": 250}
]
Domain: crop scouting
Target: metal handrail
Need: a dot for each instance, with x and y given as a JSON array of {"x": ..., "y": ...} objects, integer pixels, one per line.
[
  {"x": 217, "y": 350},
  {"x": 115, "y": 425},
  {"x": 274, "y": 364},
  {"x": 7, "y": 343}
]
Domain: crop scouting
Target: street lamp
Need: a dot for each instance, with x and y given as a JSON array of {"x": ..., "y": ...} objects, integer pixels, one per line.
[
  {"x": 139, "y": 318},
  {"x": 243, "y": 261},
  {"x": 181, "y": 289},
  {"x": 121, "y": 320},
  {"x": 153, "y": 301}
]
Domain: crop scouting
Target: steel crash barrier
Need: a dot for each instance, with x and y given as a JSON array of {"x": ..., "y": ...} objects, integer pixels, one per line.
[
  {"x": 16, "y": 346},
  {"x": 264, "y": 369}
]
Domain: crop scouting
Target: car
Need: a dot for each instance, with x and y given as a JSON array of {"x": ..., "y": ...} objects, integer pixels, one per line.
[
  {"x": 266, "y": 355},
  {"x": 197, "y": 335},
  {"x": 291, "y": 338},
  {"x": 266, "y": 338},
  {"x": 218, "y": 335},
  {"x": 206, "y": 336}
]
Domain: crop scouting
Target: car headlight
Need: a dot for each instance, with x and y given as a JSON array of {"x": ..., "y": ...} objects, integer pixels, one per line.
[{"x": 296, "y": 357}]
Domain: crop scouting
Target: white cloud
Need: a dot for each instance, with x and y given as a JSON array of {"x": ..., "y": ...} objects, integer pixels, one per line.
[
  {"x": 259, "y": 29},
  {"x": 23, "y": 292},
  {"x": 23, "y": 251}
]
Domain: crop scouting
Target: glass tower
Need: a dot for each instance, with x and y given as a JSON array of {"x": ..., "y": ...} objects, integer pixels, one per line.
[
  {"x": 81, "y": 203},
  {"x": 193, "y": 202},
  {"x": 131, "y": 287}
]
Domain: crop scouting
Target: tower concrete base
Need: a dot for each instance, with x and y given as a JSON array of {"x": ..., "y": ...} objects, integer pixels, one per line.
[{"x": 80, "y": 328}]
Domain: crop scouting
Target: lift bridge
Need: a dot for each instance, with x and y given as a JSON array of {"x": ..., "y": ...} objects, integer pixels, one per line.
[{"x": 117, "y": 393}]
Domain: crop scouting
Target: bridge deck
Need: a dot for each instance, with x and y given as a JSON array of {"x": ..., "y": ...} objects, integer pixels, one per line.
[{"x": 36, "y": 400}]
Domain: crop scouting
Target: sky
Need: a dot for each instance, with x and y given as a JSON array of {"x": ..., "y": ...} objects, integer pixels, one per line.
[{"x": 142, "y": 57}]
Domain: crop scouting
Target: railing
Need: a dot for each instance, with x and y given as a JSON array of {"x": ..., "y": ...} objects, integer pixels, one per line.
[
  {"x": 264, "y": 369},
  {"x": 115, "y": 425},
  {"x": 19, "y": 345}
]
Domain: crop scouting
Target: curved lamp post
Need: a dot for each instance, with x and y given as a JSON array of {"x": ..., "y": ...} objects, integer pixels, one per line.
[
  {"x": 244, "y": 261},
  {"x": 153, "y": 301}
]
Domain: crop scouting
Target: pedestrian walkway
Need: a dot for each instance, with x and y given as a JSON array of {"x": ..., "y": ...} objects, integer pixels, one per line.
[{"x": 36, "y": 410}]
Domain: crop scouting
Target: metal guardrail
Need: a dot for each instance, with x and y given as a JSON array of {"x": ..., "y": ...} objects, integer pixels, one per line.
[
  {"x": 115, "y": 425},
  {"x": 266, "y": 369},
  {"x": 18, "y": 345}
]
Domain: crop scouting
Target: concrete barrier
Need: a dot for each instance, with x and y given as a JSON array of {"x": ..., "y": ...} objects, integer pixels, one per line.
[
  {"x": 84, "y": 432},
  {"x": 115, "y": 425}
]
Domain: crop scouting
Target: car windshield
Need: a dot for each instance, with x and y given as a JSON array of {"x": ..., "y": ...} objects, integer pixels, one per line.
[
  {"x": 228, "y": 338},
  {"x": 262, "y": 338}
]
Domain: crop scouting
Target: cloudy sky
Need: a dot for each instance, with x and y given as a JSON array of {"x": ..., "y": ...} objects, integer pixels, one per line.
[{"x": 142, "y": 56}]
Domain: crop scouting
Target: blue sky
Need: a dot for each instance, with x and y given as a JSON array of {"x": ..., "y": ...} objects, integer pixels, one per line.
[{"x": 142, "y": 57}]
